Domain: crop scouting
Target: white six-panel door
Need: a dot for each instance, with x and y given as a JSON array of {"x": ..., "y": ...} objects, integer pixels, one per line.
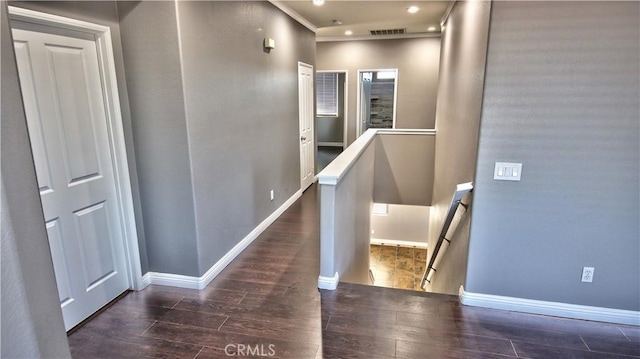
[
  {"x": 307, "y": 141},
  {"x": 66, "y": 115}
]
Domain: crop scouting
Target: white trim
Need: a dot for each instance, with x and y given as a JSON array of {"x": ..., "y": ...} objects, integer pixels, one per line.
[
  {"x": 176, "y": 280},
  {"x": 345, "y": 130},
  {"x": 415, "y": 35},
  {"x": 395, "y": 242},
  {"x": 407, "y": 131},
  {"x": 358, "y": 102},
  {"x": 395, "y": 98},
  {"x": 183, "y": 281},
  {"x": 358, "y": 106},
  {"x": 556, "y": 309},
  {"x": 338, "y": 168},
  {"x": 297, "y": 17},
  {"x": 447, "y": 12},
  {"x": 41, "y": 18},
  {"x": 109, "y": 81},
  {"x": 328, "y": 283},
  {"x": 146, "y": 280},
  {"x": 313, "y": 144}
]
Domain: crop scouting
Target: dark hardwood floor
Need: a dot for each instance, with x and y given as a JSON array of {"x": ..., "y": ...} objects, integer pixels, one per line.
[{"x": 266, "y": 304}]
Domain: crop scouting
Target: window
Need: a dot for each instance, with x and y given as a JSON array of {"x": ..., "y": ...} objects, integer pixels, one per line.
[
  {"x": 327, "y": 93},
  {"x": 386, "y": 75},
  {"x": 380, "y": 209}
]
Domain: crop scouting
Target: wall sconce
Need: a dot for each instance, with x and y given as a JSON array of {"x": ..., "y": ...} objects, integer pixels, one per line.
[{"x": 269, "y": 44}]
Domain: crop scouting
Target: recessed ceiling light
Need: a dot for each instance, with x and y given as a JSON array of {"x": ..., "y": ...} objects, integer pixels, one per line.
[
  {"x": 348, "y": 32},
  {"x": 318, "y": 2},
  {"x": 413, "y": 9},
  {"x": 431, "y": 28}
]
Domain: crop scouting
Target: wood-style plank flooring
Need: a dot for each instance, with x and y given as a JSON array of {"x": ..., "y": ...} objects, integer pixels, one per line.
[{"x": 266, "y": 304}]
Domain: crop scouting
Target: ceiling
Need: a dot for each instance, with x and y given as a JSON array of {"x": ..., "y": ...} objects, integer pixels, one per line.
[{"x": 362, "y": 16}]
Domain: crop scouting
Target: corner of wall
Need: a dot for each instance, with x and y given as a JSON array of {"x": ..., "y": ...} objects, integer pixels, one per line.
[
  {"x": 458, "y": 112},
  {"x": 32, "y": 324}
]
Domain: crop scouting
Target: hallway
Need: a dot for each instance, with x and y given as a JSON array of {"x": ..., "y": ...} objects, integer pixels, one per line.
[{"x": 266, "y": 304}]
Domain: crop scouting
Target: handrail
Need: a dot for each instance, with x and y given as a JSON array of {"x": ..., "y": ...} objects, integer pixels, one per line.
[
  {"x": 461, "y": 190},
  {"x": 406, "y": 131},
  {"x": 339, "y": 167}
]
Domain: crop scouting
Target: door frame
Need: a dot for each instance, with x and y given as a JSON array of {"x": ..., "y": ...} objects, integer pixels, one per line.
[
  {"x": 313, "y": 120},
  {"x": 346, "y": 103},
  {"x": 106, "y": 63},
  {"x": 395, "y": 97}
]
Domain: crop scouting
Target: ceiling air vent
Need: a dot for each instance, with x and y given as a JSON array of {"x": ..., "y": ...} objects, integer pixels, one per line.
[{"x": 389, "y": 32}]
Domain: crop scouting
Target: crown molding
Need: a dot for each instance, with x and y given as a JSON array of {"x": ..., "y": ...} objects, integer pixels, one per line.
[
  {"x": 415, "y": 35},
  {"x": 447, "y": 12},
  {"x": 297, "y": 17}
]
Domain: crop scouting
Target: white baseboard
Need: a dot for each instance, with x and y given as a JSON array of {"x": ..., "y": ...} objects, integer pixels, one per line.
[
  {"x": 146, "y": 280},
  {"x": 556, "y": 309},
  {"x": 329, "y": 283},
  {"x": 183, "y": 281},
  {"x": 393, "y": 242},
  {"x": 175, "y": 280}
]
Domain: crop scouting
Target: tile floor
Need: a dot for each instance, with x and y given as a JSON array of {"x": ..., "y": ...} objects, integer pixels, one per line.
[{"x": 397, "y": 267}]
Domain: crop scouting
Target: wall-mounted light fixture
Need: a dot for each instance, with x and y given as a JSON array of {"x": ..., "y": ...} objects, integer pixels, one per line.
[{"x": 269, "y": 43}]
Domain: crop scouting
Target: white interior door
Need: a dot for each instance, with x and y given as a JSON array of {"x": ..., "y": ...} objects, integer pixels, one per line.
[
  {"x": 68, "y": 128},
  {"x": 307, "y": 141}
]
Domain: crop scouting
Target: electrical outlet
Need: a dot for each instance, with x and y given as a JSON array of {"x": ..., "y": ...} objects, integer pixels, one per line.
[
  {"x": 587, "y": 274},
  {"x": 272, "y": 195}
]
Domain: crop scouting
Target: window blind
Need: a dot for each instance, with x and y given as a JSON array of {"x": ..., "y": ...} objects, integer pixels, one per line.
[{"x": 327, "y": 93}]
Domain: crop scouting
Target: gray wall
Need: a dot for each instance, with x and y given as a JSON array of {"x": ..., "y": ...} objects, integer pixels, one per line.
[
  {"x": 152, "y": 61},
  {"x": 563, "y": 98},
  {"x": 31, "y": 325},
  {"x": 462, "y": 64},
  {"x": 417, "y": 64},
  {"x": 104, "y": 13},
  {"x": 242, "y": 115},
  {"x": 404, "y": 169},
  {"x": 402, "y": 223},
  {"x": 345, "y": 220},
  {"x": 218, "y": 129},
  {"x": 331, "y": 129}
]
